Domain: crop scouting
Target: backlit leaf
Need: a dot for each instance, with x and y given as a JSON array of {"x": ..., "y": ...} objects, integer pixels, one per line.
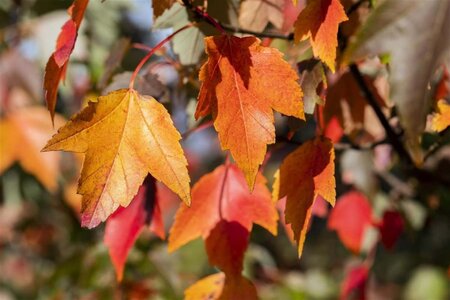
[
  {"x": 125, "y": 136},
  {"x": 57, "y": 63},
  {"x": 305, "y": 174},
  {"x": 208, "y": 288},
  {"x": 126, "y": 223},
  {"x": 354, "y": 285},
  {"x": 441, "y": 119},
  {"x": 188, "y": 44},
  {"x": 351, "y": 216},
  {"x": 223, "y": 196},
  {"x": 319, "y": 22},
  {"x": 23, "y": 133},
  {"x": 256, "y": 14},
  {"x": 242, "y": 83}
]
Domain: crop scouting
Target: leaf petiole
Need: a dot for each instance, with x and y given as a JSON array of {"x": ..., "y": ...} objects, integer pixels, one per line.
[{"x": 153, "y": 50}]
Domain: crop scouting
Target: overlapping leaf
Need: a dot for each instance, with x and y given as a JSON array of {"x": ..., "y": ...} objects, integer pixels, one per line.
[
  {"x": 397, "y": 28},
  {"x": 242, "y": 83},
  {"x": 350, "y": 218},
  {"x": 441, "y": 120},
  {"x": 57, "y": 63},
  {"x": 125, "y": 136},
  {"x": 223, "y": 196},
  {"x": 319, "y": 22},
  {"x": 125, "y": 224},
  {"x": 188, "y": 43},
  {"x": 305, "y": 174},
  {"x": 256, "y": 14},
  {"x": 159, "y": 6},
  {"x": 223, "y": 212},
  {"x": 23, "y": 133},
  {"x": 347, "y": 104}
]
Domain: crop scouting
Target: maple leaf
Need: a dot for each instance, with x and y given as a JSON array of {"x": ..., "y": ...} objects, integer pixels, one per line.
[
  {"x": 351, "y": 216},
  {"x": 208, "y": 288},
  {"x": 441, "y": 120},
  {"x": 396, "y": 28},
  {"x": 391, "y": 227},
  {"x": 57, "y": 63},
  {"x": 312, "y": 75},
  {"x": 125, "y": 224},
  {"x": 305, "y": 174},
  {"x": 319, "y": 22},
  {"x": 242, "y": 83},
  {"x": 188, "y": 44},
  {"x": 223, "y": 212},
  {"x": 347, "y": 104},
  {"x": 23, "y": 133},
  {"x": 354, "y": 285},
  {"x": 218, "y": 286},
  {"x": 223, "y": 196},
  {"x": 256, "y": 14},
  {"x": 125, "y": 136}
]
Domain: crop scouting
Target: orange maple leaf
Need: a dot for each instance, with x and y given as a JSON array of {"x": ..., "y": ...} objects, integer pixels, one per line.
[
  {"x": 57, "y": 63},
  {"x": 223, "y": 212},
  {"x": 125, "y": 136},
  {"x": 441, "y": 120},
  {"x": 305, "y": 174},
  {"x": 23, "y": 133},
  {"x": 242, "y": 83},
  {"x": 223, "y": 196},
  {"x": 319, "y": 21}
]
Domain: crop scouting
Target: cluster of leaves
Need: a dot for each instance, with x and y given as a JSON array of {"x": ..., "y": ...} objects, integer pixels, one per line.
[{"x": 130, "y": 143}]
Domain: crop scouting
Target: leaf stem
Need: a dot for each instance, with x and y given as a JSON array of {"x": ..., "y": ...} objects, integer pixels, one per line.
[{"x": 153, "y": 50}]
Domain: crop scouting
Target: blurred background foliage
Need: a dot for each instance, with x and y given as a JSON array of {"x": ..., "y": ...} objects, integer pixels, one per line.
[{"x": 45, "y": 254}]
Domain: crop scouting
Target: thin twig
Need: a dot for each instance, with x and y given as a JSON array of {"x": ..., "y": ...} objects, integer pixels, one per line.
[{"x": 392, "y": 136}]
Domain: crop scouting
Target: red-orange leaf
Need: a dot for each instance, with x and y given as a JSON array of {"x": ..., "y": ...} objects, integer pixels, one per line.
[
  {"x": 57, "y": 63},
  {"x": 242, "y": 83},
  {"x": 124, "y": 226},
  {"x": 223, "y": 196},
  {"x": 305, "y": 174},
  {"x": 319, "y": 21},
  {"x": 350, "y": 218},
  {"x": 354, "y": 285},
  {"x": 226, "y": 245}
]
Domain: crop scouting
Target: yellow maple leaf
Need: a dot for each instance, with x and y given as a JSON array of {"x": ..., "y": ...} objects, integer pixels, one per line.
[
  {"x": 441, "y": 120},
  {"x": 125, "y": 136},
  {"x": 22, "y": 134}
]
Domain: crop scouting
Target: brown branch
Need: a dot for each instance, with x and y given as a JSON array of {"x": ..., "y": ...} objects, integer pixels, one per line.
[
  {"x": 204, "y": 16},
  {"x": 392, "y": 136}
]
